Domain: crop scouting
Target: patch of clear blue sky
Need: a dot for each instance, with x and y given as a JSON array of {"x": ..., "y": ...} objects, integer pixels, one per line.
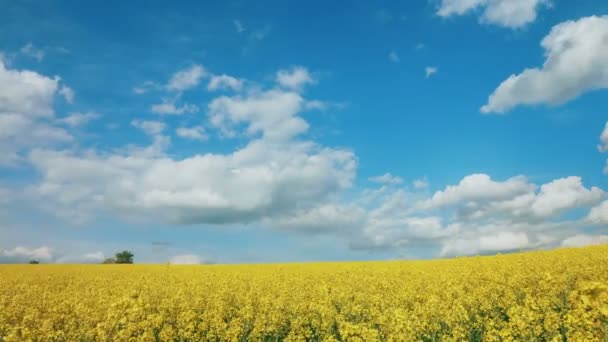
[{"x": 394, "y": 119}]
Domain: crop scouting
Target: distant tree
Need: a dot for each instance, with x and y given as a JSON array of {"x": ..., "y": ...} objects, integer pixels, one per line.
[
  {"x": 124, "y": 257},
  {"x": 109, "y": 261},
  {"x": 34, "y": 262}
]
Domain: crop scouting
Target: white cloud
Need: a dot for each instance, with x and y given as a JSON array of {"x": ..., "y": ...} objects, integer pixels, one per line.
[
  {"x": 87, "y": 258},
  {"x": 480, "y": 187},
  {"x": 22, "y": 254},
  {"x": 295, "y": 78},
  {"x": 169, "y": 107},
  {"x": 421, "y": 183},
  {"x": 149, "y": 127},
  {"x": 186, "y": 79},
  {"x": 563, "y": 194},
  {"x": 393, "y": 57},
  {"x": 238, "y": 26},
  {"x": 272, "y": 175},
  {"x": 492, "y": 243},
  {"x": 327, "y": 218},
  {"x": 599, "y": 214},
  {"x": 146, "y": 87},
  {"x": 26, "y": 113},
  {"x": 273, "y": 113},
  {"x": 218, "y": 82},
  {"x": 193, "y": 133},
  {"x": 582, "y": 240},
  {"x": 31, "y": 51},
  {"x": 79, "y": 119},
  {"x": 507, "y": 13},
  {"x": 477, "y": 197},
  {"x": 386, "y": 178},
  {"x": 26, "y": 92},
  {"x": 576, "y": 62},
  {"x": 186, "y": 259},
  {"x": 603, "y": 147},
  {"x": 67, "y": 93},
  {"x": 430, "y": 71}
]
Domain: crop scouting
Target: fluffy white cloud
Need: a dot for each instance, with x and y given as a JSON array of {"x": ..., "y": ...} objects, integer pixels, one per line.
[
  {"x": 169, "y": 107},
  {"x": 259, "y": 180},
  {"x": 386, "y": 178},
  {"x": 273, "y": 113},
  {"x": 599, "y": 214},
  {"x": 479, "y": 197},
  {"x": 26, "y": 92},
  {"x": 187, "y": 78},
  {"x": 501, "y": 241},
  {"x": 26, "y": 113},
  {"x": 87, "y": 258},
  {"x": 582, "y": 240},
  {"x": 430, "y": 71},
  {"x": 31, "y": 51},
  {"x": 506, "y": 13},
  {"x": 603, "y": 146},
  {"x": 480, "y": 187},
  {"x": 421, "y": 183},
  {"x": 79, "y": 119},
  {"x": 21, "y": 254},
  {"x": 193, "y": 133},
  {"x": 327, "y": 218},
  {"x": 186, "y": 259},
  {"x": 576, "y": 62},
  {"x": 150, "y": 127},
  {"x": 294, "y": 78},
  {"x": 564, "y": 194},
  {"x": 218, "y": 82}
]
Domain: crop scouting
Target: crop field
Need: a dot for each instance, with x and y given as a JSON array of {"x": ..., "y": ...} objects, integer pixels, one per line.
[{"x": 552, "y": 296}]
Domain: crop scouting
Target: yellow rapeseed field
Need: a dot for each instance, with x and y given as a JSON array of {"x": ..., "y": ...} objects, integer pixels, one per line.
[{"x": 550, "y": 296}]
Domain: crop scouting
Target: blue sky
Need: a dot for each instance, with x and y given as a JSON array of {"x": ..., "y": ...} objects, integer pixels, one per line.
[{"x": 284, "y": 131}]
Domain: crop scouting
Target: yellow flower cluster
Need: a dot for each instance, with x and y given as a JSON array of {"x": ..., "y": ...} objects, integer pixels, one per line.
[{"x": 550, "y": 296}]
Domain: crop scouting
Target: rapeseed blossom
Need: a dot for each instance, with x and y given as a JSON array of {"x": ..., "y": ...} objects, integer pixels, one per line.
[{"x": 552, "y": 296}]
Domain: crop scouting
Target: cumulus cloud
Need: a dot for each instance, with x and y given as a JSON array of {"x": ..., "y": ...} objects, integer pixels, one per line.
[
  {"x": 186, "y": 259},
  {"x": 169, "y": 107},
  {"x": 272, "y": 113},
  {"x": 150, "y": 127},
  {"x": 192, "y": 133},
  {"x": 499, "y": 242},
  {"x": 481, "y": 188},
  {"x": 21, "y": 254},
  {"x": 507, "y": 13},
  {"x": 576, "y": 62},
  {"x": 420, "y": 183},
  {"x": 599, "y": 214},
  {"x": 581, "y": 240},
  {"x": 26, "y": 113},
  {"x": 430, "y": 71},
  {"x": 222, "y": 82},
  {"x": 294, "y": 78},
  {"x": 79, "y": 119},
  {"x": 186, "y": 79},
  {"x": 386, "y": 178},
  {"x": 479, "y": 197},
  {"x": 26, "y": 92},
  {"x": 272, "y": 175},
  {"x": 603, "y": 146}
]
